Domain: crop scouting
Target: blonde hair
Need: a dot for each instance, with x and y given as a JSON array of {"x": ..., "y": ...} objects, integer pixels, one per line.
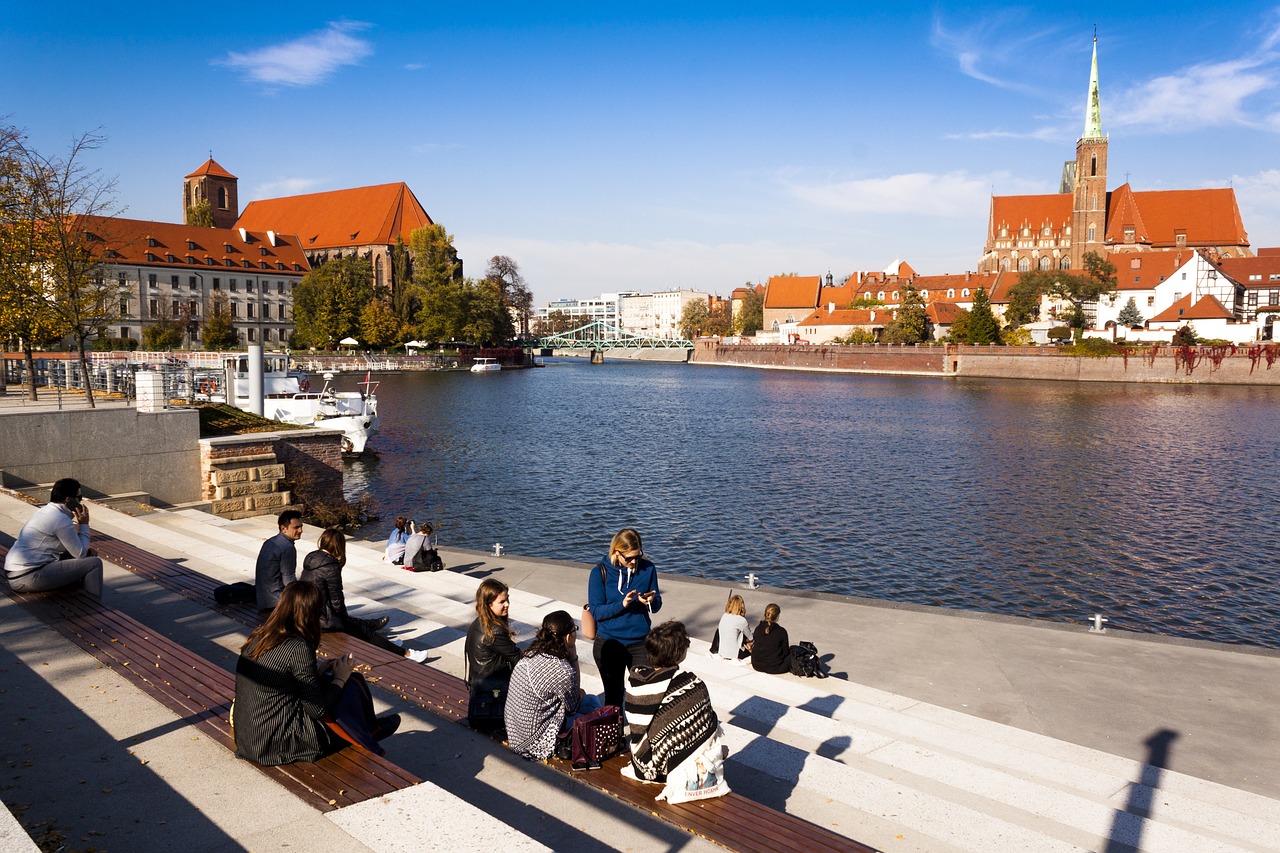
[
  {"x": 736, "y": 606},
  {"x": 771, "y": 614},
  {"x": 334, "y": 543},
  {"x": 626, "y": 539}
]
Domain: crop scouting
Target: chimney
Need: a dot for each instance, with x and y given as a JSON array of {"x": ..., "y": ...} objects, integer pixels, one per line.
[{"x": 831, "y": 308}]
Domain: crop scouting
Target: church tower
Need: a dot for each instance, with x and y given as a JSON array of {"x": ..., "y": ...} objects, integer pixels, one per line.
[
  {"x": 1089, "y": 205},
  {"x": 213, "y": 184}
]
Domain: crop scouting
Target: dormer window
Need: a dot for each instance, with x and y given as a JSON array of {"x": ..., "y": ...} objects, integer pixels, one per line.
[
  {"x": 226, "y": 247},
  {"x": 262, "y": 250},
  {"x": 191, "y": 245},
  {"x": 951, "y": 293},
  {"x": 964, "y": 294},
  {"x": 151, "y": 242}
]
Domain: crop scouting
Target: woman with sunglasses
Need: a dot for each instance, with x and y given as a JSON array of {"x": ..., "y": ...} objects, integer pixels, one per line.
[{"x": 622, "y": 593}]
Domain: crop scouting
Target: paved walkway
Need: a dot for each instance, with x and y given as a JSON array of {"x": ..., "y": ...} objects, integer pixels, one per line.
[{"x": 940, "y": 732}]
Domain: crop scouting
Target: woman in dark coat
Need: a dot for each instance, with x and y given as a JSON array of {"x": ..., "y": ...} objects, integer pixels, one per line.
[
  {"x": 323, "y": 567},
  {"x": 770, "y": 646},
  {"x": 490, "y": 654},
  {"x": 283, "y": 696}
]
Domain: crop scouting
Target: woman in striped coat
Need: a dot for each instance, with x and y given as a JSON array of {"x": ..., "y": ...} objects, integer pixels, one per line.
[
  {"x": 282, "y": 695},
  {"x": 668, "y": 710}
]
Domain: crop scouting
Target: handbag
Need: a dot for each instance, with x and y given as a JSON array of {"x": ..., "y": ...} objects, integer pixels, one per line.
[
  {"x": 488, "y": 702},
  {"x": 593, "y": 739},
  {"x": 588, "y": 620}
]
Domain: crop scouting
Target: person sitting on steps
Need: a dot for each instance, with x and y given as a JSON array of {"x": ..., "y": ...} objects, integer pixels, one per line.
[{"x": 52, "y": 550}]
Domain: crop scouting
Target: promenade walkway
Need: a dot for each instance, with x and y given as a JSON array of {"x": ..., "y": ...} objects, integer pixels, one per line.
[{"x": 939, "y": 732}]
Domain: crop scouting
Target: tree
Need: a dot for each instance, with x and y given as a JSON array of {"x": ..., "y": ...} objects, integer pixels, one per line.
[
  {"x": 166, "y": 332},
  {"x": 201, "y": 214},
  {"x": 1129, "y": 316},
  {"x": 1185, "y": 336},
  {"x": 1024, "y": 301},
  {"x": 865, "y": 301},
  {"x": 959, "y": 332},
  {"x": 1097, "y": 280},
  {"x": 406, "y": 299},
  {"x": 74, "y": 207},
  {"x": 219, "y": 332},
  {"x": 751, "y": 317},
  {"x": 911, "y": 326},
  {"x": 515, "y": 293},
  {"x": 26, "y": 312},
  {"x": 487, "y": 318},
  {"x": 435, "y": 260},
  {"x": 694, "y": 319},
  {"x": 983, "y": 328},
  {"x": 857, "y": 337},
  {"x": 556, "y": 322},
  {"x": 378, "y": 325},
  {"x": 328, "y": 302}
]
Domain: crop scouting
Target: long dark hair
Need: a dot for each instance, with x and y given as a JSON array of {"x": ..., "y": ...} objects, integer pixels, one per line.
[
  {"x": 334, "y": 543},
  {"x": 297, "y": 615},
  {"x": 550, "y": 637},
  {"x": 490, "y": 589}
]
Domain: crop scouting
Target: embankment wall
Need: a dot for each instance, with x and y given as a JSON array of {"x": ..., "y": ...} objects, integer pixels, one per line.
[
  {"x": 112, "y": 451},
  {"x": 1167, "y": 365}
]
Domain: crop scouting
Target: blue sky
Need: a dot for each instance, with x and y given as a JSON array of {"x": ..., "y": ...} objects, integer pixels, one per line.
[{"x": 673, "y": 145}]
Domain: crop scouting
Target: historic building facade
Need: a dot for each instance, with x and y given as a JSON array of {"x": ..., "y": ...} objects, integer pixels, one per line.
[{"x": 1055, "y": 231}]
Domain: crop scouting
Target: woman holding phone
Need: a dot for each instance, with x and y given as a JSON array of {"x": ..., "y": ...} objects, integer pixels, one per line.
[{"x": 622, "y": 593}]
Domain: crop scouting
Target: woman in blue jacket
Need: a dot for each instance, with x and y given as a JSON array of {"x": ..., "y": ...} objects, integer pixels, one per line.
[{"x": 622, "y": 592}]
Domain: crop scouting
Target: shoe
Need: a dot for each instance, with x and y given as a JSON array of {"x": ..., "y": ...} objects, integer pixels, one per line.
[
  {"x": 384, "y": 727},
  {"x": 377, "y": 624},
  {"x": 396, "y": 641},
  {"x": 417, "y": 655}
]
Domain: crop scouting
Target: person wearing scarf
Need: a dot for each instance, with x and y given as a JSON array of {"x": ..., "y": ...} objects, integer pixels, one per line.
[{"x": 622, "y": 592}]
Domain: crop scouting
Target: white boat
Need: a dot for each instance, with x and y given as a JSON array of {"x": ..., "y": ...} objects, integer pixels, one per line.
[
  {"x": 287, "y": 397},
  {"x": 485, "y": 365}
]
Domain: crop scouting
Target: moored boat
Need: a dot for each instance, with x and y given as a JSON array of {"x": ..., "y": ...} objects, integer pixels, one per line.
[{"x": 485, "y": 365}]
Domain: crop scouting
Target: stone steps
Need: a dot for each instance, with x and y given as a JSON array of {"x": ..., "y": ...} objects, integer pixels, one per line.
[{"x": 895, "y": 772}]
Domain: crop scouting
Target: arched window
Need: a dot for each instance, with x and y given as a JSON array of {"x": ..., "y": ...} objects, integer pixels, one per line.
[
  {"x": 1093, "y": 173},
  {"x": 1091, "y": 233},
  {"x": 1045, "y": 262},
  {"x": 924, "y": 294},
  {"x": 964, "y": 294},
  {"x": 1064, "y": 264},
  {"x": 1004, "y": 265},
  {"x": 1095, "y": 205},
  {"x": 951, "y": 293},
  {"x": 222, "y": 198},
  {"x": 1024, "y": 265},
  {"x": 895, "y": 296},
  {"x": 377, "y": 272},
  {"x": 880, "y": 296}
]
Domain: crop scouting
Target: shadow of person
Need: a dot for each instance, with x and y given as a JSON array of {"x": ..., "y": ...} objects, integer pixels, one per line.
[{"x": 1125, "y": 835}]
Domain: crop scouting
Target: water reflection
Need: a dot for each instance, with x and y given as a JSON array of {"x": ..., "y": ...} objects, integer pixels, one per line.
[{"x": 1052, "y": 500}]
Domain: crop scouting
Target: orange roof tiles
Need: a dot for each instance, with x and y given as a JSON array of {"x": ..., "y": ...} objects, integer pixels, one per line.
[
  {"x": 1206, "y": 218},
  {"x": 1208, "y": 308},
  {"x": 792, "y": 291},
  {"x": 1265, "y": 265},
  {"x": 363, "y": 216},
  {"x": 1034, "y": 211},
  {"x": 848, "y": 317},
  {"x": 168, "y": 244},
  {"x": 211, "y": 167},
  {"x": 1151, "y": 267}
]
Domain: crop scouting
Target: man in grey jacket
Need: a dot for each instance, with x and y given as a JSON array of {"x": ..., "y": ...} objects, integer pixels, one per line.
[
  {"x": 52, "y": 550},
  {"x": 278, "y": 560}
]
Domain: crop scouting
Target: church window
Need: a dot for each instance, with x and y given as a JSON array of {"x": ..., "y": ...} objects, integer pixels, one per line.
[
  {"x": 1064, "y": 264},
  {"x": 222, "y": 198},
  {"x": 1044, "y": 262},
  {"x": 1004, "y": 265},
  {"x": 1024, "y": 265},
  {"x": 1004, "y": 232},
  {"x": 1095, "y": 204},
  {"x": 1091, "y": 233},
  {"x": 1128, "y": 234},
  {"x": 1093, "y": 173},
  {"x": 1046, "y": 231}
]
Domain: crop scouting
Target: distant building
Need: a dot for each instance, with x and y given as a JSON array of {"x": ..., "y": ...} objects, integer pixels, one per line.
[
  {"x": 1055, "y": 231},
  {"x": 169, "y": 271}
]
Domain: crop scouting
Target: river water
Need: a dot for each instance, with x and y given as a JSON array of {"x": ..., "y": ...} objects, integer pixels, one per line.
[{"x": 1148, "y": 504}]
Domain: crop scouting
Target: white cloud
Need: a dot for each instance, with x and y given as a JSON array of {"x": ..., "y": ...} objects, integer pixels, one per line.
[
  {"x": 1047, "y": 133},
  {"x": 985, "y": 44},
  {"x": 1259, "y": 199},
  {"x": 920, "y": 193},
  {"x": 304, "y": 61},
  {"x": 1203, "y": 95},
  {"x": 285, "y": 187}
]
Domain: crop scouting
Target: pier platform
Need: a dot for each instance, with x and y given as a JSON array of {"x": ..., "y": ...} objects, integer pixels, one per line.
[{"x": 938, "y": 731}]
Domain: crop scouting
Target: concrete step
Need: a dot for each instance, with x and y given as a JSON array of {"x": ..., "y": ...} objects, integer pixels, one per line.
[{"x": 946, "y": 780}]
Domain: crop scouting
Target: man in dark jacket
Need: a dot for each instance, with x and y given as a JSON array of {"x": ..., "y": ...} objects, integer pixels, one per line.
[{"x": 278, "y": 560}]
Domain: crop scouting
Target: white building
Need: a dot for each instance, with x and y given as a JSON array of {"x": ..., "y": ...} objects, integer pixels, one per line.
[{"x": 656, "y": 314}]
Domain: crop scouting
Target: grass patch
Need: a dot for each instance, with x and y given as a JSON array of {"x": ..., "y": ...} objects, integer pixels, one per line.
[{"x": 219, "y": 419}]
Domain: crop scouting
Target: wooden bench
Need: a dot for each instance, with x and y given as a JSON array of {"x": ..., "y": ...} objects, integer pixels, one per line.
[
  {"x": 733, "y": 821},
  {"x": 201, "y": 693}
]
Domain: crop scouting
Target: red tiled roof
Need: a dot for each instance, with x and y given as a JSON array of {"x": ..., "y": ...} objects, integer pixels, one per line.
[
  {"x": 841, "y": 295},
  {"x": 363, "y": 216},
  {"x": 943, "y": 313},
  {"x": 1208, "y": 217},
  {"x": 792, "y": 291},
  {"x": 848, "y": 317},
  {"x": 128, "y": 241},
  {"x": 1266, "y": 264},
  {"x": 1152, "y": 267},
  {"x": 1208, "y": 308},
  {"x": 1034, "y": 211},
  {"x": 211, "y": 167}
]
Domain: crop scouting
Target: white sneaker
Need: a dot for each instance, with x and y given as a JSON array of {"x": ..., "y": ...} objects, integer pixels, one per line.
[{"x": 417, "y": 655}]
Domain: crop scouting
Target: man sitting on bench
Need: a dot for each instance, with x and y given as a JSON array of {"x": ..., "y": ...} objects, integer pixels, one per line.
[{"x": 52, "y": 550}]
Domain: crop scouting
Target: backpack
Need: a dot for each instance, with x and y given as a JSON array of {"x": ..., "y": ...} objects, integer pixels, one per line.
[
  {"x": 805, "y": 661},
  {"x": 594, "y": 738},
  {"x": 235, "y": 593},
  {"x": 427, "y": 560}
]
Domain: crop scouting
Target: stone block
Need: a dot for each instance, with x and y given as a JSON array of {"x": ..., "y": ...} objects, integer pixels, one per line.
[
  {"x": 271, "y": 472},
  {"x": 276, "y": 500},
  {"x": 235, "y": 475},
  {"x": 227, "y": 506},
  {"x": 241, "y": 490}
]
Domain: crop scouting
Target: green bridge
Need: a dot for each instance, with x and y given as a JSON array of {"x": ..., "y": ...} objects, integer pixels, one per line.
[{"x": 601, "y": 336}]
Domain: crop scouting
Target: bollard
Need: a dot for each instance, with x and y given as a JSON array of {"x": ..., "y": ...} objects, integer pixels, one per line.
[
  {"x": 497, "y": 549},
  {"x": 1095, "y": 624},
  {"x": 751, "y": 581}
]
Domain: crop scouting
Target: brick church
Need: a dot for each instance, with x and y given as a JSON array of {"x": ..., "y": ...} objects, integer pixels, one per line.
[{"x": 1055, "y": 231}]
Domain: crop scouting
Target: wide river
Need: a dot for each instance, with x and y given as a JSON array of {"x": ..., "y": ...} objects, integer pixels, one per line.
[{"x": 1147, "y": 504}]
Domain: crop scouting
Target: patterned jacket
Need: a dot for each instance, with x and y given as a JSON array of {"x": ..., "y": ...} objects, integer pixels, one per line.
[
  {"x": 670, "y": 718},
  {"x": 543, "y": 691}
]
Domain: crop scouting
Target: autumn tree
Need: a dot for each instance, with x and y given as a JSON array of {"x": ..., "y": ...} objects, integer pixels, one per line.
[
  {"x": 1097, "y": 279},
  {"x": 378, "y": 325},
  {"x": 219, "y": 331},
  {"x": 911, "y": 326},
  {"x": 74, "y": 207},
  {"x": 26, "y": 313},
  {"x": 328, "y": 302},
  {"x": 504, "y": 273},
  {"x": 695, "y": 319},
  {"x": 167, "y": 330},
  {"x": 201, "y": 214}
]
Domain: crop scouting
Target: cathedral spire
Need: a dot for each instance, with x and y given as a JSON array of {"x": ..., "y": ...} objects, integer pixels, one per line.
[{"x": 1093, "y": 109}]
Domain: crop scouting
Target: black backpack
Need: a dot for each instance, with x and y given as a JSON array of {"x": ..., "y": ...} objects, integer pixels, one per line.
[
  {"x": 805, "y": 661},
  {"x": 427, "y": 560}
]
